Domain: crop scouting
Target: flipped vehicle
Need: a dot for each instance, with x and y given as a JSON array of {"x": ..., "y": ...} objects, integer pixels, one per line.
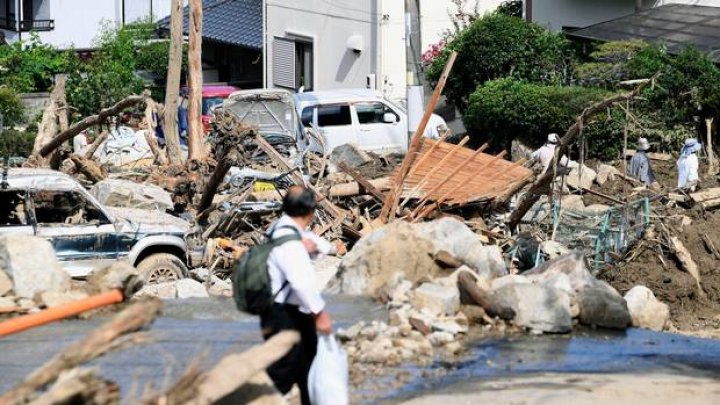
[
  {"x": 87, "y": 235},
  {"x": 359, "y": 116},
  {"x": 212, "y": 95}
]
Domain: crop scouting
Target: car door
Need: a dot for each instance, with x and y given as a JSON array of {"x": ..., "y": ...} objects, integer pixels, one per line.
[
  {"x": 379, "y": 127},
  {"x": 81, "y": 234},
  {"x": 336, "y": 125}
]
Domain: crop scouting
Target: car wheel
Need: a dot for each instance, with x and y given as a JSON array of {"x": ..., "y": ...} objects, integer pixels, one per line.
[{"x": 161, "y": 267}]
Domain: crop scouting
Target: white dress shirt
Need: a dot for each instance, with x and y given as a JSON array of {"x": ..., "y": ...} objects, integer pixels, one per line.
[{"x": 291, "y": 262}]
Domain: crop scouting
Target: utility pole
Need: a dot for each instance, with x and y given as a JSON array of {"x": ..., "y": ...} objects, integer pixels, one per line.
[{"x": 415, "y": 96}]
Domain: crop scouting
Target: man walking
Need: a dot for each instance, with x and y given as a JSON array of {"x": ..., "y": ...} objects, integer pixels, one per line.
[
  {"x": 298, "y": 304},
  {"x": 640, "y": 167}
]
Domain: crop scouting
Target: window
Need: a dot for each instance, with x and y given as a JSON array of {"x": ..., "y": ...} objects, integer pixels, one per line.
[
  {"x": 293, "y": 64},
  {"x": 373, "y": 113},
  {"x": 13, "y": 210},
  {"x": 333, "y": 115},
  {"x": 65, "y": 207},
  {"x": 307, "y": 116}
]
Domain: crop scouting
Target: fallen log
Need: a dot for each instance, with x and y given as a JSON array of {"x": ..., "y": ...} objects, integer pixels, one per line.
[
  {"x": 355, "y": 188},
  {"x": 89, "y": 168},
  {"x": 686, "y": 261},
  {"x": 543, "y": 182},
  {"x": 99, "y": 118},
  {"x": 710, "y": 204},
  {"x": 366, "y": 185},
  {"x": 706, "y": 194},
  {"x": 230, "y": 373},
  {"x": 80, "y": 386},
  {"x": 467, "y": 283},
  {"x": 101, "y": 341}
]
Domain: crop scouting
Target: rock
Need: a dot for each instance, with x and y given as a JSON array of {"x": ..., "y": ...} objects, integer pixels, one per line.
[
  {"x": 572, "y": 265},
  {"x": 605, "y": 173},
  {"x": 452, "y": 279},
  {"x": 167, "y": 290},
  {"x": 420, "y": 325},
  {"x": 572, "y": 202},
  {"x": 450, "y": 326},
  {"x": 188, "y": 288},
  {"x": 537, "y": 307},
  {"x": 400, "y": 293},
  {"x": 219, "y": 287},
  {"x": 446, "y": 260},
  {"x": 474, "y": 313},
  {"x": 501, "y": 282},
  {"x": 645, "y": 310},
  {"x": 51, "y": 299},
  {"x": 350, "y": 333},
  {"x": 561, "y": 281},
  {"x": 200, "y": 274},
  {"x": 351, "y": 154},
  {"x": 110, "y": 277},
  {"x": 7, "y": 302},
  {"x": 437, "y": 299},
  {"x": 128, "y": 194},
  {"x": 553, "y": 249},
  {"x": 6, "y": 284},
  {"x": 440, "y": 338},
  {"x": 581, "y": 177},
  {"x": 31, "y": 264},
  {"x": 601, "y": 306},
  {"x": 325, "y": 270},
  {"x": 453, "y": 236}
]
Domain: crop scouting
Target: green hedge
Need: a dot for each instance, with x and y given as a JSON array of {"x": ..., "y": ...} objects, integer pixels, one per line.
[{"x": 16, "y": 143}]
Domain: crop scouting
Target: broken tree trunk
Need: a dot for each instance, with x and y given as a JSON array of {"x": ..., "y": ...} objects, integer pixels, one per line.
[
  {"x": 95, "y": 145},
  {"x": 542, "y": 183},
  {"x": 686, "y": 261},
  {"x": 64, "y": 136},
  {"x": 467, "y": 283},
  {"x": 393, "y": 196},
  {"x": 49, "y": 124},
  {"x": 80, "y": 386},
  {"x": 230, "y": 373},
  {"x": 354, "y": 188},
  {"x": 89, "y": 168},
  {"x": 196, "y": 149},
  {"x": 172, "y": 91},
  {"x": 155, "y": 149},
  {"x": 100, "y": 341},
  {"x": 712, "y": 164}
]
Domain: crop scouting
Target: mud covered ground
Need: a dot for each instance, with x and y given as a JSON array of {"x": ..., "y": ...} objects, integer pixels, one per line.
[{"x": 651, "y": 263}]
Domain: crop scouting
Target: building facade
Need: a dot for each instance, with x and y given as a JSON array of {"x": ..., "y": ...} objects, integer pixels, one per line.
[{"x": 72, "y": 23}]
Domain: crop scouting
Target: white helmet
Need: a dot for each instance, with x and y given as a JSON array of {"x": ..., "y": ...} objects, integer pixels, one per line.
[{"x": 553, "y": 138}]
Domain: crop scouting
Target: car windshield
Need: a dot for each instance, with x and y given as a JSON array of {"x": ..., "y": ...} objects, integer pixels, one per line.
[
  {"x": 210, "y": 102},
  {"x": 398, "y": 105}
]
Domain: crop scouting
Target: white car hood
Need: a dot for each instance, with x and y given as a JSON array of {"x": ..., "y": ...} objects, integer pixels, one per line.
[{"x": 148, "y": 221}]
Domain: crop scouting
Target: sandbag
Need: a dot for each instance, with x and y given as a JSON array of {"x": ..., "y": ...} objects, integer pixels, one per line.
[{"x": 328, "y": 379}]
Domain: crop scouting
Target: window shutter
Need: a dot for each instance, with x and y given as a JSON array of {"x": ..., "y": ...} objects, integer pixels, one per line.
[{"x": 284, "y": 63}]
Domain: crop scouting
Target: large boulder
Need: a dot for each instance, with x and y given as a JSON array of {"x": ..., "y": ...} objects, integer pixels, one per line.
[
  {"x": 602, "y": 306},
  {"x": 128, "y": 194},
  {"x": 605, "y": 173},
  {"x": 350, "y": 154},
  {"x": 572, "y": 265},
  {"x": 110, "y": 277},
  {"x": 581, "y": 177},
  {"x": 646, "y": 311},
  {"x": 408, "y": 250},
  {"x": 537, "y": 307},
  {"x": 453, "y": 236},
  {"x": 31, "y": 264},
  {"x": 437, "y": 299}
]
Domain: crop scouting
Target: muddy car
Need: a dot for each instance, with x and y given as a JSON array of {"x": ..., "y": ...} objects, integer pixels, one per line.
[{"x": 87, "y": 235}]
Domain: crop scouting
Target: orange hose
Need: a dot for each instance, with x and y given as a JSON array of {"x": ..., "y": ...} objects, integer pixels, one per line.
[{"x": 59, "y": 312}]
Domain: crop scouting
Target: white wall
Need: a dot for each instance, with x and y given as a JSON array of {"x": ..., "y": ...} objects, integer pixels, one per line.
[
  {"x": 710, "y": 3},
  {"x": 328, "y": 24},
  {"x": 555, "y": 14},
  {"x": 435, "y": 17},
  {"x": 77, "y": 22}
]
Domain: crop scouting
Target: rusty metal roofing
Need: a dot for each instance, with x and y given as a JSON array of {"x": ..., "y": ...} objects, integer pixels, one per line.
[{"x": 455, "y": 175}]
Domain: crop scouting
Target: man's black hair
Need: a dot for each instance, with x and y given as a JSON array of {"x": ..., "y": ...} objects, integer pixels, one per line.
[{"x": 299, "y": 201}]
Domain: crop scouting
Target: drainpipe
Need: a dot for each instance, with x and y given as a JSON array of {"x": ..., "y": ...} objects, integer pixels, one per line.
[{"x": 529, "y": 10}]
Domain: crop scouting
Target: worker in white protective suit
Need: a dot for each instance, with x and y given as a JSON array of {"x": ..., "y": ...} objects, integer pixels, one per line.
[
  {"x": 688, "y": 165},
  {"x": 546, "y": 153}
]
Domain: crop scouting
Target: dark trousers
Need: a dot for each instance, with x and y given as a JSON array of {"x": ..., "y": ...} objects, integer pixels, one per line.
[{"x": 294, "y": 367}]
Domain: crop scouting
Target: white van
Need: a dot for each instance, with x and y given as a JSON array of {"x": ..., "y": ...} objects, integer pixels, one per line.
[{"x": 359, "y": 116}]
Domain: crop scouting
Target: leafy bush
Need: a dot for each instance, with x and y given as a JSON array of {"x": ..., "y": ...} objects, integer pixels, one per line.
[
  {"x": 497, "y": 46},
  {"x": 27, "y": 66},
  {"x": 609, "y": 63},
  {"x": 504, "y": 109},
  {"x": 11, "y": 107},
  {"x": 513, "y": 8},
  {"x": 16, "y": 143}
]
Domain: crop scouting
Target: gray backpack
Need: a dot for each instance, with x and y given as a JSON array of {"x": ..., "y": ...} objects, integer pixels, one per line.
[{"x": 250, "y": 278}]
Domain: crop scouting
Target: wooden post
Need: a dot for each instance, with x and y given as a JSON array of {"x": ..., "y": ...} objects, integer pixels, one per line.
[
  {"x": 172, "y": 91},
  {"x": 196, "y": 149},
  {"x": 625, "y": 136},
  {"x": 391, "y": 201},
  {"x": 712, "y": 164}
]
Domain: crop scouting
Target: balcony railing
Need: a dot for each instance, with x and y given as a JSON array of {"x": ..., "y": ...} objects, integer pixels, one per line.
[
  {"x": 8, "y": 22},
  {"x": 37, "y": 25}
]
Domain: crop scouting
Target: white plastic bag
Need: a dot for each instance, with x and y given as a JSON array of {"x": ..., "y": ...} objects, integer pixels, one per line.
[{"x": 328, "y": 379}]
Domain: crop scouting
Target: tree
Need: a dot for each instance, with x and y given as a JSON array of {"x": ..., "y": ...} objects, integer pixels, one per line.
[
  {"x": 11, "y": 108},
  {"x": 27, "y": 66},
  {"x": 195, "y": 125},
  {"x": 497, "y": 46},
  {"x": 170, "y": 127}
]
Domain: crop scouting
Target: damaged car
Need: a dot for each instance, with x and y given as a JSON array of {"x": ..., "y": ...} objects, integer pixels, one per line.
[{"x": 87, "y": 235}]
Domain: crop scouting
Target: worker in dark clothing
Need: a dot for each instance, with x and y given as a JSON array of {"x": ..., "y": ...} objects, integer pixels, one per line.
[
  {"x": 298, "y": 304},
  {"x": 640, "y": 166}
]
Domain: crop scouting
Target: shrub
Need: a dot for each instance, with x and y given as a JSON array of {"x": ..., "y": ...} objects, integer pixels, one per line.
[
  {"x": 16, "y": 143},
  {"x": 497, "y": 46},
  {"x": 608, "y": 63},
  {"x": 504, "y": 109},
  {"x": 11, "y": 107},
  {"x": 30, "y": 65}
]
